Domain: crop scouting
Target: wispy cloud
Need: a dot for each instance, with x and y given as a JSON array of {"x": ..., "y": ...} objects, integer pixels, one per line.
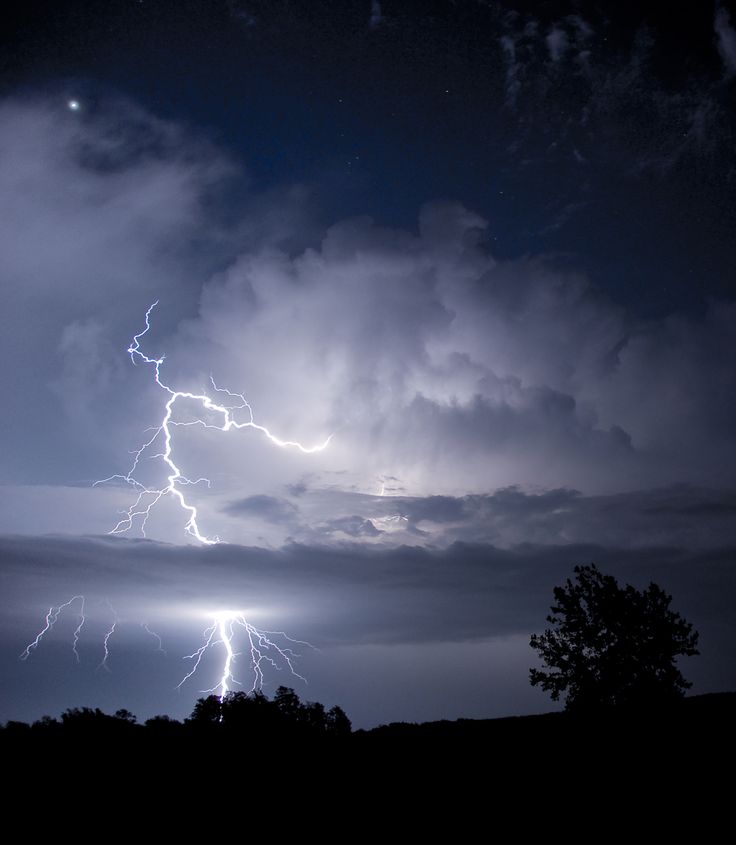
[
  {"x": 376, "y": 18},
  {"x": 726, "y": 40}
]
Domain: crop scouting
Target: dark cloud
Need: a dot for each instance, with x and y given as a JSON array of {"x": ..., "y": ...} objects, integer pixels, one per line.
[
  {"x": 681, "y": 515},
  {"x": 710, "y": 508},
  {"x": 436, "y": 509},
  {"x": 351, "y": 593},
  {"x": 266, "y": 507},
  {"x": 352, "y": 526}
]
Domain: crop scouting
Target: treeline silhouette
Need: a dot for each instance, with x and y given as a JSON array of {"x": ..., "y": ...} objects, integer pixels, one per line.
[
  {"x": 285, "y": 717},
  {"x": 263, "y": 758}
]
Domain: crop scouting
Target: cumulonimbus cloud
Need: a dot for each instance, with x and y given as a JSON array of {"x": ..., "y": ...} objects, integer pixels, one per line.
[{"x": 430, "y": 360}]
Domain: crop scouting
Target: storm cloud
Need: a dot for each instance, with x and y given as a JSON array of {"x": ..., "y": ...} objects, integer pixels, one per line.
[
  {"x": 495, "y": 421},
  {"x": 430, "y": 360}
]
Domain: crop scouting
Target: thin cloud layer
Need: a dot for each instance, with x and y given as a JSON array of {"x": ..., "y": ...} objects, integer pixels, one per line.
[
  {"x": 346, "y": 595},
  {"x": 682, "y": 516}
]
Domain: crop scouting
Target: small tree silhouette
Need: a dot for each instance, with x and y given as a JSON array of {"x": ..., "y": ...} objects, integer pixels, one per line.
[
  {"x": 612, "y": 646},
  {"x": 338, "y": 723}
]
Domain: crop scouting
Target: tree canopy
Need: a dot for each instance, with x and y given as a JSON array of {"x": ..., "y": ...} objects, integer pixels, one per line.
[
  {"x": 284, "y": 714},
  {"x": 610, "y": 646}
]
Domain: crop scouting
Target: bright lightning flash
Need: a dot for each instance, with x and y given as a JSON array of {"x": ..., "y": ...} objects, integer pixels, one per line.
[
  {"x": 149, "y": 497},
  {"x": 271, "y": 647}
]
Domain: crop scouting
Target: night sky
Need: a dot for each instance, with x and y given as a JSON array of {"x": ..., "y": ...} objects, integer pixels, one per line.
[{"x": 487, "y": 246}]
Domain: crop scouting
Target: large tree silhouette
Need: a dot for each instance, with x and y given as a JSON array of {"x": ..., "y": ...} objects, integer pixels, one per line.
[{"x": 611, "y": 646}]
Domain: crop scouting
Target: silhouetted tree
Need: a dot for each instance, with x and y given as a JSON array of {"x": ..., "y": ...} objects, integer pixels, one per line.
[
  {"x": 338, "y": 723},
  {"x": 612, "y": 646},
  {"x": 126, "y": 716},
  {"x": 92, "y": 720},
  {"x": 207, "y": 711},
  {"x": 255, "y": 714},
  {"x": 15, "y": 728},
  {"x": 288, "y": 704},
  {"x": 251, "y": 711},
  {"x": 163, "y": 723},
  {"x": 315, "y": 716},
  {"x": 46, "y": 723}
]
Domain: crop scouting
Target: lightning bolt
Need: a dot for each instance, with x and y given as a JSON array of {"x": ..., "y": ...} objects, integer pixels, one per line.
[
  {"x": 51, "y": 618},
  {"x": 261, "y": 646},
  {"x": 149, "y": 497},
  {"x": 106, "y": 640},
  {"x": 156, "y": 636},
  {"x": 78, "y": 630}
]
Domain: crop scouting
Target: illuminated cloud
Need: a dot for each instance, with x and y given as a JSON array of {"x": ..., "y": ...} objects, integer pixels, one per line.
[{"x": 431, "y": 360}]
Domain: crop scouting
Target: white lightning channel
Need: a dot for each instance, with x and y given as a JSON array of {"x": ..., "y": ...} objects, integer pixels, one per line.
[
  {"x": 157, "y": 637},
  {"x": 51, "y": 619},
  {"x": 106, "y": 640},
  {"x": 261, "y": 646},
  {"x": 78, "y": 630},
  {"x": 149, "y": 497}
]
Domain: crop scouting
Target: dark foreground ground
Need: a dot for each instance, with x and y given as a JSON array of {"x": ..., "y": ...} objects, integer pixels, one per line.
[{"x": 651, "y": 773}]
